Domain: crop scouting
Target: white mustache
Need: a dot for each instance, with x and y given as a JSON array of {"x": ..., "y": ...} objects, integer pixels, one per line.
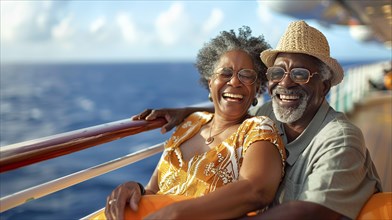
[{"x": 282, "y": 90}]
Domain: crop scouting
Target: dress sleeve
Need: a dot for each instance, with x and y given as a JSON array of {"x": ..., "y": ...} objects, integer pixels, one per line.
[{"x": 262, "y": 128}]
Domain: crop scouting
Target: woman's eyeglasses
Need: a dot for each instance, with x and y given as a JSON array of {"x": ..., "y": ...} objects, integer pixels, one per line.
[
  {"x": 246, "y": 76},
  {"x": 298, "y": 75}
]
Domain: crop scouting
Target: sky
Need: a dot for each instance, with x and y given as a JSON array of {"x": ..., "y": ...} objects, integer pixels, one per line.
[{"x": 146, "y": 31}]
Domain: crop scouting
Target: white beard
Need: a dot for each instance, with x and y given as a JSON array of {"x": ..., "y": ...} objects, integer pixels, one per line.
[{"x": 289, "y": 115}]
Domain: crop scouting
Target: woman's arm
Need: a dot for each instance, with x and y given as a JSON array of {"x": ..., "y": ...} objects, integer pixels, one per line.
[
  {"x": 173, "y": 116},
  {"x": 260, "y": 176}
]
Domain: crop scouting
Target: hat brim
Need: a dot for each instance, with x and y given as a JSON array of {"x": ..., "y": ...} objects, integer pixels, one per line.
[{"x": 268, "y": 57}]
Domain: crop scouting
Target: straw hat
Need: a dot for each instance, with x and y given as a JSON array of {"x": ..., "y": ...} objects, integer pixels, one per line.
[{"x": 304, "y": 39}]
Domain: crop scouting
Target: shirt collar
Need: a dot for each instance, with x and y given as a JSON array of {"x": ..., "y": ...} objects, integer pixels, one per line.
[{"x": 296, "y": 147}]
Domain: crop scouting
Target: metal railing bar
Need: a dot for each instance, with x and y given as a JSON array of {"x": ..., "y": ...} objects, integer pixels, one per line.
[
  {"x": 39, "y": 191},
  {"x": 92, "y": 214}
]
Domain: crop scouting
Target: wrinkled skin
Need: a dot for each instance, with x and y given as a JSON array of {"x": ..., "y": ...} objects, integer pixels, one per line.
[
  {"x": 125, "y": 194},
  {"x": 311, "y": 95}
]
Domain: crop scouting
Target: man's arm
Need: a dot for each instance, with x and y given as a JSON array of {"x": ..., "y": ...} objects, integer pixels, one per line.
[
  {"x": 173, "y": 116},
  {"x": 299, "y": 210}
]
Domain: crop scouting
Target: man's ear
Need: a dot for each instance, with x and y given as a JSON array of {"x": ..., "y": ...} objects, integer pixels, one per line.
[{"x": 327, "y": 87}]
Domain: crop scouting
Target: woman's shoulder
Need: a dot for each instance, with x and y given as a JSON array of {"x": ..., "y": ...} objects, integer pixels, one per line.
[
  {"x": 259, "y": 124},
  {"x": 259, "y": 120},
  {"x": 261, "y": 128}
]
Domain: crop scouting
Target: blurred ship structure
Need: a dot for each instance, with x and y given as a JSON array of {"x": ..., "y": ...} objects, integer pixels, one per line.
[{"x": 367, "y": 20}]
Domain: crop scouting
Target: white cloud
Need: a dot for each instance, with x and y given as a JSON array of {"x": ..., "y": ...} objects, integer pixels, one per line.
[
  {"x": 272, "y": 23},
  {"x": 263, "y": 12},
  {"x": 63, "y": 31},
  {"x": 215, "y": 19},
  {"x": 13, "y": 16},
  {"x": 99, "y": 30},
  {"x": 97, "y": 25},
  {"x": 30, "y": 20},
  {"x": 71, "y": 30},
  {"x": 128, "y": 28},
  {"x": 172, "y": 25}
]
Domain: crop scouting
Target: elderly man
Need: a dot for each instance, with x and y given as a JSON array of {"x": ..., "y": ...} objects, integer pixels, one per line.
[{"x": 329, "y": 172}]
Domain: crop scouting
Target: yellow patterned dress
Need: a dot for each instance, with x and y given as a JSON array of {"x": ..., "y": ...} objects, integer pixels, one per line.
[{"x": 220, "y": 165}]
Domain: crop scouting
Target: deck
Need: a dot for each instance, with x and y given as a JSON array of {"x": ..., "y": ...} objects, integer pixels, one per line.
[{"x": 374, "y": 116}]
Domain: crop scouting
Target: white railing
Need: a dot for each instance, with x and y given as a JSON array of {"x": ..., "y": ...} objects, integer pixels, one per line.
[
  {"x": 355, "y": 86},
  {"x": 19, "y": 198}
]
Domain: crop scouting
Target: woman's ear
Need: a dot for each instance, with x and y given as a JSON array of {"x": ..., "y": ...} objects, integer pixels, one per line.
[{"x": 258, "y": 86}]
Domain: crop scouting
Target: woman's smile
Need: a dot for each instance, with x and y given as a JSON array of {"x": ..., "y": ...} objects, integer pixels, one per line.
[{"x": 232, "y": 97}]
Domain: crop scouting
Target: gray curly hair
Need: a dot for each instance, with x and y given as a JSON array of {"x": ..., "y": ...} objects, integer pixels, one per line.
[{"x": 210, "y": 53}]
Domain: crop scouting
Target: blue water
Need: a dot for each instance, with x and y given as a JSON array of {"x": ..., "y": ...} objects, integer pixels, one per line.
[{"x": 42, "y": 100}]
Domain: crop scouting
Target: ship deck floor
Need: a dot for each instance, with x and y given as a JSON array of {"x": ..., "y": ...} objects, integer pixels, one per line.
[{"x": 374, "y": 117}]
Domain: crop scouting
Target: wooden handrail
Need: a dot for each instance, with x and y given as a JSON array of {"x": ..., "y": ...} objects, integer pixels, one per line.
[{"x": 25, "y": 153}]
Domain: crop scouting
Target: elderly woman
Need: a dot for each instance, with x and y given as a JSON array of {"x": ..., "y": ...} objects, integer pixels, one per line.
[{"x": 228, "y": 162}]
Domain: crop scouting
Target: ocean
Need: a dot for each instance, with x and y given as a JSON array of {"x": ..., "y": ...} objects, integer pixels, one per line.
[{"x": 39, "y": 100}]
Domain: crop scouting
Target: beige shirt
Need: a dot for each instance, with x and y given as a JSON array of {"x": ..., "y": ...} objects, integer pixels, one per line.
[{"x": 327, "y": 164}]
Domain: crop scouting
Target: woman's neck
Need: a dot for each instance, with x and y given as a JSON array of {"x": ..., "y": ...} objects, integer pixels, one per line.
[{"x": 224, "y": 122}]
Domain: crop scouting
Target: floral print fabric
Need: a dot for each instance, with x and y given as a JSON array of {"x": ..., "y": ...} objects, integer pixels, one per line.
[{"x": 219, "y": 166}]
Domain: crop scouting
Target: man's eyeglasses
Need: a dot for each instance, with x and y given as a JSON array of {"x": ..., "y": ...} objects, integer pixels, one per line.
[
  {"x": 246, "y": 76},
  {"x": 298, "y": 75}
]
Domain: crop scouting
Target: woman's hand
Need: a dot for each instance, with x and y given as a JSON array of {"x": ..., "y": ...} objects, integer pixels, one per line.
[
  {"x": 173, "y": 116},
  {"x": 125, "y": 193}
]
